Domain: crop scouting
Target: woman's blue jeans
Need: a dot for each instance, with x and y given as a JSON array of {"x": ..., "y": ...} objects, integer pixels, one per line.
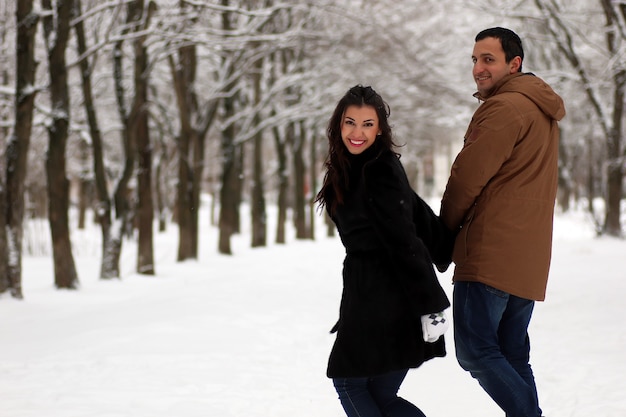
[
  {"x": 375, "y": 396},
  {"x": 491, "y": 338}
]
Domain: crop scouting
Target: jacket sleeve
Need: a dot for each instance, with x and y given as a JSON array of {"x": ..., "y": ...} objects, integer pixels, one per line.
[
  {"x": 390, "y": 203},
  {"x": 438, "y": 239},
  {"x": 489, "y": 142}
]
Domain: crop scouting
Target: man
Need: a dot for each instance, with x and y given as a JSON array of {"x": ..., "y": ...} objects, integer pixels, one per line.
[{"x": 500, "y": 199}]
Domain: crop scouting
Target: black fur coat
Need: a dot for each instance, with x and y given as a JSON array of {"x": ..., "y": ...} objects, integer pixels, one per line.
[{"x": 392, "y": 238}]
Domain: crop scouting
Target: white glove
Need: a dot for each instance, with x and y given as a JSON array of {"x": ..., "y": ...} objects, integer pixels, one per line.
[{"x": 434, "y": 325}]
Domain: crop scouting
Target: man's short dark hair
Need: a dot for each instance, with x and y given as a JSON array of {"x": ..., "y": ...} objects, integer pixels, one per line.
[{"x": 511, "y": 43}]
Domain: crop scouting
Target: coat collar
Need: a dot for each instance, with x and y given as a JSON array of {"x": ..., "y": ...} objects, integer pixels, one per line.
[{"x": 496, "y": 88}]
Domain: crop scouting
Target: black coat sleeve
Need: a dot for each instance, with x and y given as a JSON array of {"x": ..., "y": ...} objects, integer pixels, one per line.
[
  {"x": 390, "y": 202},
  {"x": 437, "y": 238}
]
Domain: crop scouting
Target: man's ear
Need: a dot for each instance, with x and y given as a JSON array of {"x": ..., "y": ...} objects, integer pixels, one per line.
[{"x": 515, "y": 64}]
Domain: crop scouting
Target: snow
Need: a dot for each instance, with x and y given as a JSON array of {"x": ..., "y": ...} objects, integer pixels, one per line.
[{"x": 247, "y": 335}]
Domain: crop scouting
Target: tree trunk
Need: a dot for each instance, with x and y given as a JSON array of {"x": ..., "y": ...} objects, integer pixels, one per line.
[
  {"x": 564, "y": 177},
  {"x": 330, "y": 225},
  {"x": 617, "y": 156},
  {"x": 56, "y": 34},
  {"x": 196, "y": 189},
  {"x": 4, "y": 138},
  {"x": 259, "y": 215},
  {"x": 615, "y": 187},
  {"x": 183, "y": 75},
  {"x": 283, "y": 186},
  {"x": 103, "y": 211},
  {"x": 141, "y": 132},
  {"x": 258, "y": 211},
  {"x": 615, "y": 175},
  {"x": 160, "y": 186},
  {"x": 191, "y": 144},
  {"x": 230, "y": 193},
  {"x": 84, "y": 184},
  {"x": 113, "y": 236},
  {"x": 592, "y": 175},
  {"x": 313, "y": 185},
  {"x": 299, "y": 210},
  {"x": 183, "y": 199},
  {"x": 12, "y": 200},
  {"x": 5, "y": 282},
  {"x": 228, "y": 217},
  {"x": 238, "y": 182},
  {"x": 145, "y": 204}
]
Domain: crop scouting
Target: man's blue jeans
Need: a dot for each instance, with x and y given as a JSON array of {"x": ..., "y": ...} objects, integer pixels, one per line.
[
  {"x": 375, "y": 397},
  {"x": 491, "y": 338}
]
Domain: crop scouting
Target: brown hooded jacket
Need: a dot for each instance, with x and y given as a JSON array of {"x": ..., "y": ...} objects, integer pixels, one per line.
[{"x": 501, "y": 192}]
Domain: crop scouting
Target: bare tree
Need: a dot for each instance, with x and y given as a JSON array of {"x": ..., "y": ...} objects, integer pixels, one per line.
[
  {"x": 195, "y": 120},
  {"x": 166, "y": 155},
  {"x": 103, "y": 212},
  {"x": 56, "y": 24},
  {"x": 297, "y": 140},
  {"x": 134, "y": 129},
  {"x": 257, "y": 203},
  {"x": 140, "y": 16},
  {"x": 13, "y": 201},
  {"x": 112, "y": 236},
  {"x": 4, "y": 132},
  {"x": 283, "y": 183},
  {"x": 606, "y": 102},
  {"x": 314, "y": 168},
  {"x": 229, "y": 193}
]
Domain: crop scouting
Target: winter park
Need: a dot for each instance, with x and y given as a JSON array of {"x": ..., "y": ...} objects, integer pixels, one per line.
[{"x": 164, "y": 254}]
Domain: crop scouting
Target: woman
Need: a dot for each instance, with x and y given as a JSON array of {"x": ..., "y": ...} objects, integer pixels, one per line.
[{"x": 391, "y": 238}]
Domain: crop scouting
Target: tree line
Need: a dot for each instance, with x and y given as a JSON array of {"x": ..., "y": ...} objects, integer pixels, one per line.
[
  {"x": 138, "y": 108},
  {"x": 160, "y": 76}
]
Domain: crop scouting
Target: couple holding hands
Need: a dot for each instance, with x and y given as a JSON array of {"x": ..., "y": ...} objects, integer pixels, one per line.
[{"x": 495, "y": 224}]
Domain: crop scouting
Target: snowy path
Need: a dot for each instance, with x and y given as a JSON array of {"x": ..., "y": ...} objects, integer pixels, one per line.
[{"x": 247, "y": 336}]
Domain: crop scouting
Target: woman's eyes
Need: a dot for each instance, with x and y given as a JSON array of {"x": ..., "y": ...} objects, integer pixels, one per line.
[{"x": 352, "y": 123}]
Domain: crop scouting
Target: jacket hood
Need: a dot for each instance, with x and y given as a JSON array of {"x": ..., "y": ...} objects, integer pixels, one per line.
[{"x": 533, "y": 87}]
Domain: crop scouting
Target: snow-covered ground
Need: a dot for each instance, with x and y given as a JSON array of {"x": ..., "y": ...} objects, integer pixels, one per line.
[{"x": 247, "y": 335}]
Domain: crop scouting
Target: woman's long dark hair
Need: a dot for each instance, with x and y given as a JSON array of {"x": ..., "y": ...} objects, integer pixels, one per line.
[{"x": 337, "y": 178}]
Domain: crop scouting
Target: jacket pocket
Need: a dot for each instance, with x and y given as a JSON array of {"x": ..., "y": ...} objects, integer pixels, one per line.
[
  {"x": 459, "y": 254},
  {"x": 495, "y": 291}
]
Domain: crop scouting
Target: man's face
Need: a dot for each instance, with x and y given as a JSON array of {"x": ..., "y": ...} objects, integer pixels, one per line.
[{"x": 490, "y": 64}]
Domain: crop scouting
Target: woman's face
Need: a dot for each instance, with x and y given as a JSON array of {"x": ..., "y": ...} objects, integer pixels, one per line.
[{"x": 359, "y": 128}]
